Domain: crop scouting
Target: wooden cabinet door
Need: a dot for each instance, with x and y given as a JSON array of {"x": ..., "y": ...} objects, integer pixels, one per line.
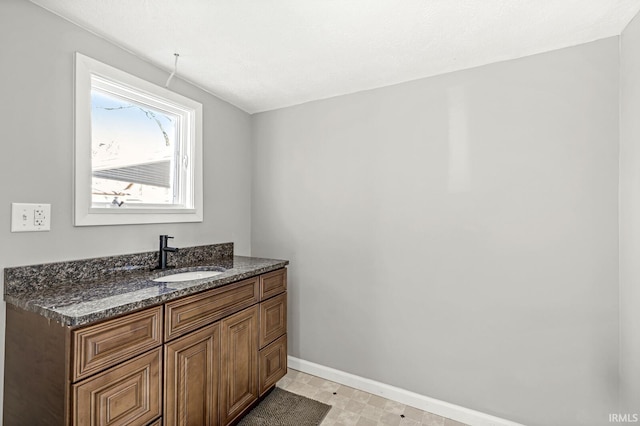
[
  {"x": 273, "y": 283},
  {"x": 273, "y": 319},
  {"x": 98, "y": 347},
  {"x": 192, "y": 365},
  {"x": 128, "y": 394},
  {"x": 273, "y": 363},
  {"x": 239, "y": 380}
]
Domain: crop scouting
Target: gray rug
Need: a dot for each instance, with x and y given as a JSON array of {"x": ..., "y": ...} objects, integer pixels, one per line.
[{"x": 282, "y": 408}]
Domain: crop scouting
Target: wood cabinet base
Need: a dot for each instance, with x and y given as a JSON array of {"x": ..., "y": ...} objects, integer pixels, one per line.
[{"x": 202, "y": 360}]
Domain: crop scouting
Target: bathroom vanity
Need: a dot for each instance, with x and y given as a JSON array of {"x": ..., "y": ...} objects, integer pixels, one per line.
[{"x": 118, "y": 348}]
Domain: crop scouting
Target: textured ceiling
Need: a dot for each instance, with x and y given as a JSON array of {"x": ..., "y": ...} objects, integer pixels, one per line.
[{"x": 267, "y": 54}]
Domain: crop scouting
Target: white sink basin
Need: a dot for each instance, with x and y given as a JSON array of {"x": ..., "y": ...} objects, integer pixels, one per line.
[{"x": 187, "y": 276}]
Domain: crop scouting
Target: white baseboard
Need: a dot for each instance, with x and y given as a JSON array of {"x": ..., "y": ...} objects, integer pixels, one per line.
[{"x": 421, "y": 402}]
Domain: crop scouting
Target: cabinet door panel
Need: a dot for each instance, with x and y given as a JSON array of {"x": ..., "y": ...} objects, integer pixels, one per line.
[
  {"x": 273, "y": 363},
  {"x": 239, "y": 383},
  {"x": 129, "y": 394},
  {"x": 192, "y": 365},
  {"x": 273, "y": 319},
  {"x": 273, "y": 283},
  {"x": 98, "y": 347},
  {"x": 190, "y": 313}
]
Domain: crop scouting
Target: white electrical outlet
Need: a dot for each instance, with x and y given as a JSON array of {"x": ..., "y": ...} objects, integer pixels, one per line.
[
  {"x": 30, "y": 217},
  {"x": 39, "y": 217}
]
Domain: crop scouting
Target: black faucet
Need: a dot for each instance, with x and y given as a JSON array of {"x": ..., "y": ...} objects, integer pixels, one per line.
[{"x": 164, "y": 249}]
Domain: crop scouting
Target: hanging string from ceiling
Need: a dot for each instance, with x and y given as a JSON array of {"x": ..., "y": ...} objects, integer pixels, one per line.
[{"x": 175, "y": 69}]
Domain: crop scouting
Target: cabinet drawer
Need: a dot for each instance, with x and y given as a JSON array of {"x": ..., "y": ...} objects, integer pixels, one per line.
[
  {"x": 104, "y": 345},
  {"x": 193, "y": 312},
  {"x": 129, "y": 394},
  {"x": 273, "y": 319},
  {"x": 273, "y": 363},
  {"x": 273, "y": 283}
]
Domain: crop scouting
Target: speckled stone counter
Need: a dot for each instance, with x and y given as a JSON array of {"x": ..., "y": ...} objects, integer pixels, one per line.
[{"x": 85, "y": 291}]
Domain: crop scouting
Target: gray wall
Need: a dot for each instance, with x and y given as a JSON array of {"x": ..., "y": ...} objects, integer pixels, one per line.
[
  {"x": 630, "y": 218},
  {"x": 456, "y": 236},
  {"x": 36, "y": 164}
]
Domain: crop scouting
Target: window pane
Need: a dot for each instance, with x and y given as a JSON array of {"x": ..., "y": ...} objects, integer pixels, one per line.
[{"x": 133, "y": 152}]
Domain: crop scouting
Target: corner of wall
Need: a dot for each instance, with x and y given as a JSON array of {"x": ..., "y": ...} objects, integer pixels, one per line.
[{"x": 629, "y": 220}]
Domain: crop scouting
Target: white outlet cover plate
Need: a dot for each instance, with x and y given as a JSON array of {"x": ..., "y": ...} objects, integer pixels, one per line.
[{"x": 23, "y": 217}]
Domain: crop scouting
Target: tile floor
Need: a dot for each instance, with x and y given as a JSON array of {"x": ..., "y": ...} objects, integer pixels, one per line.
[{"x": 352, "y": 407}]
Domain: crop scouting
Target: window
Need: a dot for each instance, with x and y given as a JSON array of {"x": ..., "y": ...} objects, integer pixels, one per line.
[{"x": 138, "y": 150}]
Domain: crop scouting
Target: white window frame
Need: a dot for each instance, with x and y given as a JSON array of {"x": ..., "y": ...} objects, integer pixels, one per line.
[{"x": 190, "y": 206}]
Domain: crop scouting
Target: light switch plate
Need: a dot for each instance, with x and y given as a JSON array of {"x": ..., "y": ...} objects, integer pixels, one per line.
[{"x": 30, "y": 217}]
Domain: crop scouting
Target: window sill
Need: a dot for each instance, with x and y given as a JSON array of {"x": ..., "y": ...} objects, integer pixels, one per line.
[{"x": 131, "y": 216}]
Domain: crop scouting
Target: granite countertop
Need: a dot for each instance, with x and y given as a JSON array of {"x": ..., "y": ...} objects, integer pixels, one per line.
[{"x": 82, "y": 292}]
